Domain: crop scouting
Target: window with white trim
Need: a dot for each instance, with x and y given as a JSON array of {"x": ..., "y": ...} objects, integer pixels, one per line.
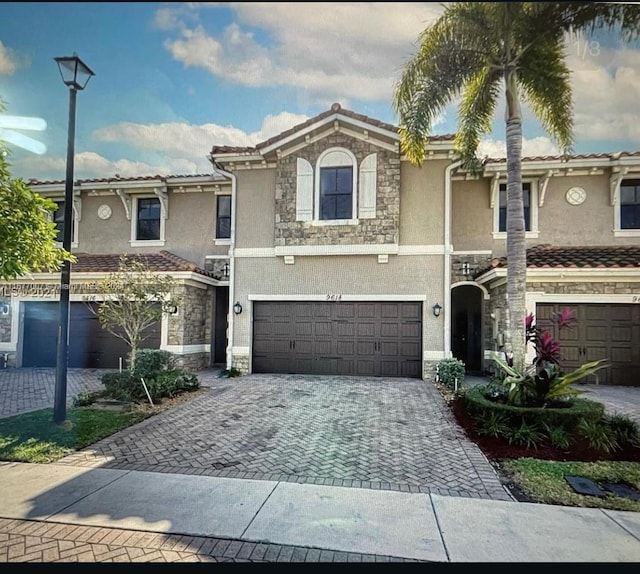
[
  {"x": 223, "y": 217},
  {"x": 147, "y": 221},
  {"x": 337, "y": 191},
  {"x": 630, "y": 204},
  {"x": 530, "y": 204},
  {"x": 58, "y": 218}
]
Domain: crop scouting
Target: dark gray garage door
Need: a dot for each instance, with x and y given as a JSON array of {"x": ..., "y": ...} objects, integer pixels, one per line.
[
  {"x": 604, "y": 331},
  {"x": 90, "y": 346},
  {"x": 342, "y": 338}
]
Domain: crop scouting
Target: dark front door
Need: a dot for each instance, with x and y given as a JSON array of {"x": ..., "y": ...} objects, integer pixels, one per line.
[
  {"x": 466, "y": 326},
  {"x": 603, "y": 331},
  {"x": 220, "y": 325},
  {"x": 341, "y": 338}
]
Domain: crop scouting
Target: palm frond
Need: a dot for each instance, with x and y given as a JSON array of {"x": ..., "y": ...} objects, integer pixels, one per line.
[
  {"x": 545, "y": 81},
  {"x": 476, "y": 112}
]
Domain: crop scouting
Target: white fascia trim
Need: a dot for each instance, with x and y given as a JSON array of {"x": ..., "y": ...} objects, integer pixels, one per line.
[
  {"x": 534, "y": 297},
  {"x": 478, "y": 252},
  {"x": 371, "y": 249},
  {"x": 186, "y": 349},
  {"x": 123, "y": 184},
  {"x": 567, "y": 274},
  {"x": 421, "y": 249},
  {"x": 240, "y": 351},
  {"x": 241, "y": 252},
  {"x": 347, "y": 297}
]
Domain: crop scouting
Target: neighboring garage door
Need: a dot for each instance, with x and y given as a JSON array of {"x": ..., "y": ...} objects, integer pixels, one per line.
[
  {"x": 610, "y": 331},
  {"x": 342, "y": 338},
  {"x": 90, "y": 346}
]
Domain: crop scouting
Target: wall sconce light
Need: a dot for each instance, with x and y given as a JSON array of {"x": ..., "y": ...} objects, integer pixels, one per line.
[
  {"x": 172, "y": 309},
  {"x": 436, "y": 310},
  {"x": 4, "y": 309},
  {"x": 237, "y": 308}
]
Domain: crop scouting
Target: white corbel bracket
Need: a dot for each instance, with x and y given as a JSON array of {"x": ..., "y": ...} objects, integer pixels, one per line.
[
  {"x": 614, "y": 183},
  {"x": 77, "y": 206},
  {"x": 162, "y": 194},
  {"x": 495, "y": 188},
  {"x": 126, "y": 201},
  {"x": 544, "y": 183}
]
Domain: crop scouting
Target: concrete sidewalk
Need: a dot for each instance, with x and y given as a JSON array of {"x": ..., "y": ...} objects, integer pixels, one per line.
[{"x": 320, "y": 520}]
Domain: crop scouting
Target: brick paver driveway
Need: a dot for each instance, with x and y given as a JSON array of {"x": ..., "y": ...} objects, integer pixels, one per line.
[{"x": 350, "y": 431}]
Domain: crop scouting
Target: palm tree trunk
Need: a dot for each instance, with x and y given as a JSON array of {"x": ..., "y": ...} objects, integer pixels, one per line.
[{"x": 516, "y": 245}]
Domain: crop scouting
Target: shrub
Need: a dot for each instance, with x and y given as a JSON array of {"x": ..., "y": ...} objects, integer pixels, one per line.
[
  {"x": 558, "y": 436},
  {"x": 599, "y": 434},
  {"x": 152, "y": 361},
  {"x": 121, "y": 386},
  {"x": 496, "y": 425},
  {"x": 86, "y": 398},
  {"x": 172, "y": 382},
  {"x": 228, "y": 373},
  {"x": 449, "y": 370},
  {"x": 624, "y": 429},
  {"x": 527, "y": 435}
]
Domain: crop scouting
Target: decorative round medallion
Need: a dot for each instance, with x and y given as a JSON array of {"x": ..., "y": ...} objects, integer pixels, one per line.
[
  {"x": 104, "y": 211},
  {"x": 576, "y": 195}
]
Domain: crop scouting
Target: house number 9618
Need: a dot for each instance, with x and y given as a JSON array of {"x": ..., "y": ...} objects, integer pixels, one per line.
[
  {"x": 635, "y": 299},
  {"x": 334, "y": 297}
]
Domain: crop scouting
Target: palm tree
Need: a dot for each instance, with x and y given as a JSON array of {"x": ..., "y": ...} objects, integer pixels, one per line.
[{"x": 476, "y": 50}]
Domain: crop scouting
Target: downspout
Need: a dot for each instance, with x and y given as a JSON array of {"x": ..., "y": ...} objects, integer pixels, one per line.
[
  {"x": 232, "y": 274},
  {"x": 447, "y": 257}
]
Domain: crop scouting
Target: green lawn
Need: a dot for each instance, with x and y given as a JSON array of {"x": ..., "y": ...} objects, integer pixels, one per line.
[
  {"x": 34, "y": 437},
  {"x": 544, "y": 481}
]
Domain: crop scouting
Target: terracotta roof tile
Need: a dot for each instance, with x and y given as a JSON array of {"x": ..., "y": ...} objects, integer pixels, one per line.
[
  {"x": 162, "y": 261},
  {"x": 614, "y": 156},
  {"x": 335, "y": 108},
  {"x": 552, "y": 257},
  {"x": 116, "y": 178}
]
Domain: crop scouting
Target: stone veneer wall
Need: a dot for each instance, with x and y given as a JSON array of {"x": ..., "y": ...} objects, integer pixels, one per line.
[
  {"x": 476, "y": 263},
  {"x": 384, "y": 228},
  {"x": 241, "y": 362},
  {"x": 600, "y": 288},
  {"x": 192, "y": 325}
]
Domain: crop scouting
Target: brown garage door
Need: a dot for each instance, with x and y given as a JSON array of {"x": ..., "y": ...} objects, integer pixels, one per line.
[
  {"x": 382, "y": 339},
  {"x": 610, "y": 331}
]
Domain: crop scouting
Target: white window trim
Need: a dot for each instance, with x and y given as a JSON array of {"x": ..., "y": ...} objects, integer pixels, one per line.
[
  {"x": 76, "y": 223},
  {"x": 134, "y": 223},
  {"x": 617, "y": 230},
  {"x": 316, "y": 189},
  {"x": 534, "y": 233}
]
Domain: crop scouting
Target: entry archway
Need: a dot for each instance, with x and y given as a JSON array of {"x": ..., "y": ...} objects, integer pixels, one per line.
[{"x": 466, "y": 325}]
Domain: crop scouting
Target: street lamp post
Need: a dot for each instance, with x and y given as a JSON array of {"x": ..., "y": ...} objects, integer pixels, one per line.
[{"x": 75, "y": 74}]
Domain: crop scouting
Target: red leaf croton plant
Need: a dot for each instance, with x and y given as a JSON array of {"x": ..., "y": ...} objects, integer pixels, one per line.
[{"x": 544, "y": 381}]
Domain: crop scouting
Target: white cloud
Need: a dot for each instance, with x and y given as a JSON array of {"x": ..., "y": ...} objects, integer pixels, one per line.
[
  {"x": 606, "y": 96},
  {"x": 8, "y": 61},
  {"x": 538, "y": 146},
  {"x": 183, "y": 148},
  {"x": 327, "y": 50}
]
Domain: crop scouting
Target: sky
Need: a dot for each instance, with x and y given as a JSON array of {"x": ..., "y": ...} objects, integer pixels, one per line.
[{"x": 172, "y": 79}]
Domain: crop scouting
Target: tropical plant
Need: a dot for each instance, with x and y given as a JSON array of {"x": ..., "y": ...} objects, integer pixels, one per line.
[
  {"x": 544, "y": 381},
  {"x": 483, "y": 49}
]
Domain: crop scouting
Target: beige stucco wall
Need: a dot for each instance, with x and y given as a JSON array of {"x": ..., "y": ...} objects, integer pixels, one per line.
[
  {"x": 345, "y": 275},
  {"x": 189, "y": 230},
  {"x": 422, "y": 203},
  {"x": 472, "y": 216},
  {"x": 255, "y": 204},
  {"x": 590, "y": 223}
]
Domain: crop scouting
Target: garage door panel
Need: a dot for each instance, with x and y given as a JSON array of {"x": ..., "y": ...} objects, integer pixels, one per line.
[
  {"x": 358, "y": 338},
  {"x": 604, "y": 331},
  {"x": 343, "y": 329}
]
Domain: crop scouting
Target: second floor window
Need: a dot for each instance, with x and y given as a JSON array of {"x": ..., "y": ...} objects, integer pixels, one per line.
[
  {"x": 630, "y": 204},
  {"x": 58, "y": 219},
  {"x": 148, "y": 219},
  {"x": 223, "y": 217},
  {"x": 526, "y": 199},
  {"x": 336, "y": 192}
]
